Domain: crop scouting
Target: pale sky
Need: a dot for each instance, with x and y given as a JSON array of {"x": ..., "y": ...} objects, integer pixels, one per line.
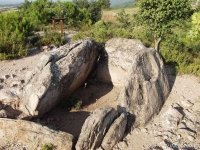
[{"x": 3, "y": 2}]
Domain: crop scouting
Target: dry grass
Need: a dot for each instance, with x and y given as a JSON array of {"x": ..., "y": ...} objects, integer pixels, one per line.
[{"x": 110, "y": 15}]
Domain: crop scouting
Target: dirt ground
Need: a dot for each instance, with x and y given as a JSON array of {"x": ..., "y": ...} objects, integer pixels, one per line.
[{"x": 95, "y": 94}]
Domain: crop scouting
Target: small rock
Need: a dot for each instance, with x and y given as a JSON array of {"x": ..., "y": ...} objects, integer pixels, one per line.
[
  {"x": 137, "y": 130},
  {"x": 165, "y": 137},
  {"x": 14, "y": 84},
  {"x": 123, "y": 145},
  {"x": 182, "y": 125},
  {"x": 191, "y": 138},
  {"x": 179, "y": 136},
  {"x": 186, "y": 103},
  {"x": 13, "y": 76},
  {"x": 186, "y": 132},
  {"x": 171, "y": 117},
  {"x": 6, "y": 76},
  {"x": 8, "y": 95},
  {"x": 1, "y": 80},
  {"x": 3, "y": 113},
  {"x": 144, "y": 130},
  {"x": 176, "y": 105},
  {"x": 1, "y": 106}
]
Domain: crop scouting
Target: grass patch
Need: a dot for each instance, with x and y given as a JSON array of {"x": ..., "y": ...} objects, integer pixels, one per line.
[
  {"x": 47, "y": 147},
  {"x": 73, "y": 102}
]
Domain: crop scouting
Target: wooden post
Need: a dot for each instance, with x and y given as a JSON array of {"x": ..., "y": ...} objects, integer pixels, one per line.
[
  {"x": 61, "y": 26},
  {"x": 53, "y": 24}
]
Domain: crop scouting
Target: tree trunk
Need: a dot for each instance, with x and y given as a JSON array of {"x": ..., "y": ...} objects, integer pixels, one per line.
[{"x": 157, "y": 43}]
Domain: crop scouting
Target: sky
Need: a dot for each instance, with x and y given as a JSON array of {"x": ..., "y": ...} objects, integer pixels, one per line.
[{"x": 3, "y": 2}]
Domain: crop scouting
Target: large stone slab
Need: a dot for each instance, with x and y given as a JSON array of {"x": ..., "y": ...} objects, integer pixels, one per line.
[
  {"x": 32, "y": 135},
  {"x": 58, "y": 74},
  {"x": 140, "y": 72}
]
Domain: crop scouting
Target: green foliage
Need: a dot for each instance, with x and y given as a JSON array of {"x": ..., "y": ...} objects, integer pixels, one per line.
[
  {"x": 81, "y": 3},
  {"x": 159, "y": 16},
  {"x": 123, "y": 18},
  {"x": 71, "y": 103},
  {"x": 47, "y": 147},
  {"x": 179, "y": 50},
  {"x": 195, "y": 32},
  {"x": 92, "y": 6},
  {"x": 51, "y": 37},
  {"x": 13, "y": 32},
  {"x": 95, "y": 10},
  {"x": 72, "y": 14},
  {"x": 38, "y": 13},
  {"x": 105, "y": 4}
]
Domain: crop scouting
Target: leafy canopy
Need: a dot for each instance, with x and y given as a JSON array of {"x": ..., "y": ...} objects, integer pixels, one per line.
[
  {"x": 159, "y": 16},
  {"x": 196, "y": 25}
]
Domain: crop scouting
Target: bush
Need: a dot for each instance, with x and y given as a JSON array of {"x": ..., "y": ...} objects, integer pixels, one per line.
[
  {"x": 13, "y": 32},
  {"x": 51, "y": 37},
  {"x": 180, "y": 51}
]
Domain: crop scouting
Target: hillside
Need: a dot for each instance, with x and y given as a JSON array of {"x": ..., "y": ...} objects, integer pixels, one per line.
[
  {"x": 115, "y": 2},
  {"x": 129, "y": 4}
]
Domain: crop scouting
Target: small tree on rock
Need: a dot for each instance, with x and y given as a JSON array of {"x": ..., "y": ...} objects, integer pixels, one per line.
[{"x": 159, "y": 16}]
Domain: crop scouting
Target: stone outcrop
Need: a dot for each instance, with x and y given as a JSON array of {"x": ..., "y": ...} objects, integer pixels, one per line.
[
  {"x": 115, "y": 132},
  {"x": 10, "y": 103},
  {"x": 58, "y": 74},
  {"x": 95, "y": 128},
  {"x": 32, "y": 136},
  {"x": 139, "y": 71},
  {"x": 171, "y": 118}
]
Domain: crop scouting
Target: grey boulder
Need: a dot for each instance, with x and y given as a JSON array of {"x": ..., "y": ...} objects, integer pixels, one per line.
[
  {"x": 115, "y": 132},
  {"x": 58, "y": 74},
  {"x": 140, "y": 73},
  {"x": 32, "y": 136},
  {"x": 95, "y": 128}
]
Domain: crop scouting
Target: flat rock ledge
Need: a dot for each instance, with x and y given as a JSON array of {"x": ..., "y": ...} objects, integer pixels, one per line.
[{"x": 32, "y": 136}]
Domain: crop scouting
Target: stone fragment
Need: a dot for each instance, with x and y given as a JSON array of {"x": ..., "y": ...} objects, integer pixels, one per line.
[
  {"x": 1, "y": 80},
  {"x": 1, "y": 105},
  {"x": 8, "y": 95},
  {"x": 32, "y": 135},
  {"x": 171, "y": 118},
  {"x": 115, "y": 132},
  {"x": 3, "y": 113},
  {"x": 182, "y": 125},
  {"x": 191, "y": 138},
  {"x": 15, "y": 84},
  {"x": 95, "y": 128},
  {"x": 186, "y": 103},
  {"x": 6, "y": 76}
]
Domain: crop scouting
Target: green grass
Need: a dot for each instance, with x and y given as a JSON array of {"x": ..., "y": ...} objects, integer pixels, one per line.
[
  {"x": 73, "y": 102},
  {"x": 47, "y": 147}
]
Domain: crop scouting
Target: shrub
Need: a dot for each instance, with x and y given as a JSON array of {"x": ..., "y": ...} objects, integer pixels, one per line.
[
  {"x": 73, "y": 102},
  {"x": 51, "y": 37},
  {"x": 13, "y": 32}
]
